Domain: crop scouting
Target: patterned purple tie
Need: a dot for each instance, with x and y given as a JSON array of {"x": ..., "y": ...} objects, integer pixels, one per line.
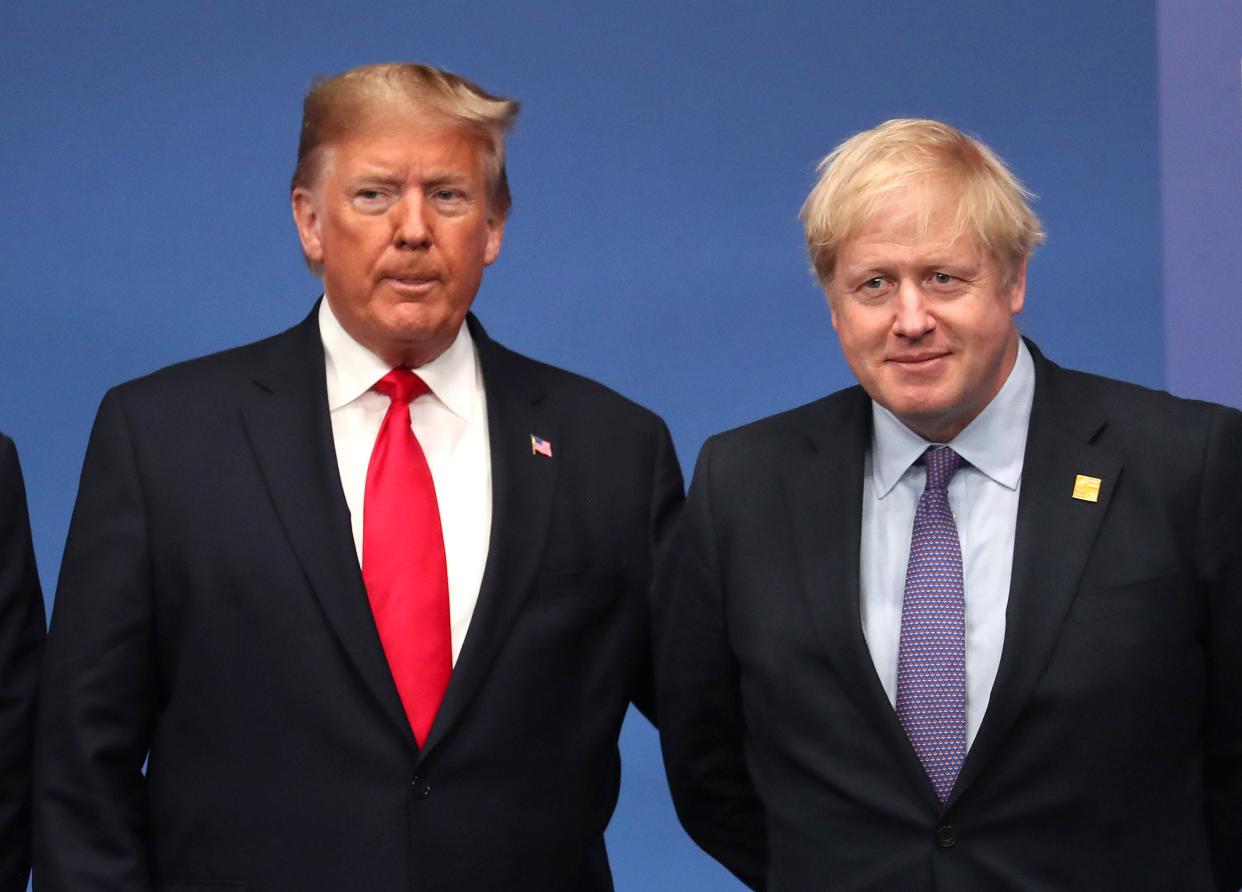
[{"x": 931, "y": 660}]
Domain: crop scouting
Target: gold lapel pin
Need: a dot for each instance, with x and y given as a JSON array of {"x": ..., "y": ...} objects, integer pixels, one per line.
[{"x": 1087, "y": 488}]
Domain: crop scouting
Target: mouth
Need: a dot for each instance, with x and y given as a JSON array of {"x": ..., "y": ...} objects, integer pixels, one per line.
[
  {"x": 413, "y": 283},
  {"x": 918, "y": 362}
]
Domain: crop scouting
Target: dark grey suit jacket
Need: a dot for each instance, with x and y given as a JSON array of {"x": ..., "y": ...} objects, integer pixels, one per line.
[
  {"x": 211, "y": 611},
  {"x": 21, "y": 642},
  {"x": 1110, "y": 757}
]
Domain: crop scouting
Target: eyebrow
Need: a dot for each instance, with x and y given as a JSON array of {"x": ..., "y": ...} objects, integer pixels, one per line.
[
  {"x": 389, "y": 178},
  {"x": 440, "y": 177},
  {"x": 376, "y": 175},
  {"x": 934, "y": 261}
]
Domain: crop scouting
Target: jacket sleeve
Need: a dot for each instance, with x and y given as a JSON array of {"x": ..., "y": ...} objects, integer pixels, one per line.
[
  {"x": 667, "y": 495},
  {"x": 21, "y": 642},
  {"x": 1220, "y": 565},
  {"x": 702, "y": 728},
  {"x": 99, "y": 690}
]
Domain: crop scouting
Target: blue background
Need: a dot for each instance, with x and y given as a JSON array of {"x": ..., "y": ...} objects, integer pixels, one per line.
[{"x": 657, "y": 169}]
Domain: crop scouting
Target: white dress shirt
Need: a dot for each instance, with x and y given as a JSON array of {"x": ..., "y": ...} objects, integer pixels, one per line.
[
  {"x": 984, "y": 497},
  {"x": 451, "y": 425}
]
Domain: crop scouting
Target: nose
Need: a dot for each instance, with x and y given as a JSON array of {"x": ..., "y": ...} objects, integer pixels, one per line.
[
  {"x": 912, "y": 313},
  {"x": 411, "y": 222}
]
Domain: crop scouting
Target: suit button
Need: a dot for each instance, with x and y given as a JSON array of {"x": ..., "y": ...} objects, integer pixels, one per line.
[
  {"x": 421, "y": 789},
  {"x": 946, "y": 837}
]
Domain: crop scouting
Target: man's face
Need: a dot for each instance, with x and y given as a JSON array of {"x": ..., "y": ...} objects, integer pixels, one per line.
[
  {"x": 400, "y": 220},
  {"x": 925, "y": 319}
]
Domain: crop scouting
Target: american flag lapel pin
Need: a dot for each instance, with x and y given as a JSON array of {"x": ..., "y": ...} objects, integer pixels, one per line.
[{"x": 540, "y": 446}]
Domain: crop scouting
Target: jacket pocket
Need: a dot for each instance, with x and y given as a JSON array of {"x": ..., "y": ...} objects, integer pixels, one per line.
[{"x": 1142, "y": 594}]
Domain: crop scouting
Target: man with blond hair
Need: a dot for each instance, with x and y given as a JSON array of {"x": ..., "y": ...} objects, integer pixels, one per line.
[
  {"x": 371, "y": 593},
  {"x": 972, "y": 624}
]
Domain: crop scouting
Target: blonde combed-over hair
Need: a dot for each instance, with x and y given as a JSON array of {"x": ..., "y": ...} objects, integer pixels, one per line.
[{"x": 338, "y": 107}]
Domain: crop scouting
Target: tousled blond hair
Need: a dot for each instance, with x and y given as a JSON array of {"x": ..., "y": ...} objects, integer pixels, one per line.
[{"x": 860, "y": 174}]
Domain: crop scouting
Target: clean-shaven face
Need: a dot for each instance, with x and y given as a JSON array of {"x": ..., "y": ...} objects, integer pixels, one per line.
[
  {"x": 925, "y": 319},
  {"x": 400, "y": 220}
]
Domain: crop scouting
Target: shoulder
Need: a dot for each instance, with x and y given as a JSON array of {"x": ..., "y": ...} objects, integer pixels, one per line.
[
  {"x": 843, "y": 414},
  {"x": 224, "y": 366},
  {"x": 1170, "y": 443},
  {"x": 9, "y": 467},
  {"x": 1138, "y": 413},
  {"x": 507, "y": 373},
  {"x": 215, "y": 382}
]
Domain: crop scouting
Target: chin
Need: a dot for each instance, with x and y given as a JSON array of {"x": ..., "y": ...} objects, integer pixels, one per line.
[
  {"x": 410, "y": 322},
  {"x": 922, "y": 416},
  {"x": 411, "y": 334}
]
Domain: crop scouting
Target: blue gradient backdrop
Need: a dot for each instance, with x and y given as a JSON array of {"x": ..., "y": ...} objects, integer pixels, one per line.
[{"x": 657, "y": 168}]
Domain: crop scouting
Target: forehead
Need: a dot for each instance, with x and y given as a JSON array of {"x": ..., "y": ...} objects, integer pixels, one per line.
[
  {"x": 926, "y": 214},
  {"x": 910, "y": 229},
  {"x": 406, "y": 146}
]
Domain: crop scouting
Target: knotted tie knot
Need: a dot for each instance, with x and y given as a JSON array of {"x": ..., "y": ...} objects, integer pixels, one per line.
[
  {"x": 401, "y": 386},
  {"x": 941, "y": 462}
]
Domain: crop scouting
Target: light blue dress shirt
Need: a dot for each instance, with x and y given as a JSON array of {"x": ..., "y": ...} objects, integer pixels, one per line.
[{"x": 984, "y": 498}]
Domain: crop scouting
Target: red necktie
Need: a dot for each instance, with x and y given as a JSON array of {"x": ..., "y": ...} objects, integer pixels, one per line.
[{"x": 403, "y": 562}]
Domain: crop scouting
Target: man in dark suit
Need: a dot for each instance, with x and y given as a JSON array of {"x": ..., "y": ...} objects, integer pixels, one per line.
[
  {"x": 974, "y": 624},
  {"x": 371, "y": 593},
  {"x": 21, "y": 641}
]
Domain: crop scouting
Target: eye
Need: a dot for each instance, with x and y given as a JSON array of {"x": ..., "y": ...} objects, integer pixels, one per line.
[
  {"x": 449, "y": 198},
  {"x": 942, "y": 278},
  {"x": 875, "y": 290},
  {"x": 369, "y": 199}
]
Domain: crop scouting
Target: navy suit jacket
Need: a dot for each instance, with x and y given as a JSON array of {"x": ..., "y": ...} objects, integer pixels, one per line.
[
  {"x": 211, "y": 612},
  {"x": 1110, "y": 756},
  {"x": 21, "y": 641}
]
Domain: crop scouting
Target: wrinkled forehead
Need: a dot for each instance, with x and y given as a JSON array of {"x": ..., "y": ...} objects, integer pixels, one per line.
[{"x": 399, "y": 137}]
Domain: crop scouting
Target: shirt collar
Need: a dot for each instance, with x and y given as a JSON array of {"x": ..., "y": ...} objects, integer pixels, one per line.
[
  {"x": 994, "y": 442},
  {"x": 352, "y": 369}
]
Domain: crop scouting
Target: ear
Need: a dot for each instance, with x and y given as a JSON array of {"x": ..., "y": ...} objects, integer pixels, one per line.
[
  {"x": 495, "y": 235},
  {"x": 1017, "y": 289},
  {"x": 306, "y": 216}
]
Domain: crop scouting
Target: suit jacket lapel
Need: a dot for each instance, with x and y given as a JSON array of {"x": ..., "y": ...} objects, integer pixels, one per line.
[
  {"x": 286, "y": 420},
  {"x": 823, "y": 486},
  {"x": 523, "y": 484},
  {"x": 1054, "y": 537}
]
